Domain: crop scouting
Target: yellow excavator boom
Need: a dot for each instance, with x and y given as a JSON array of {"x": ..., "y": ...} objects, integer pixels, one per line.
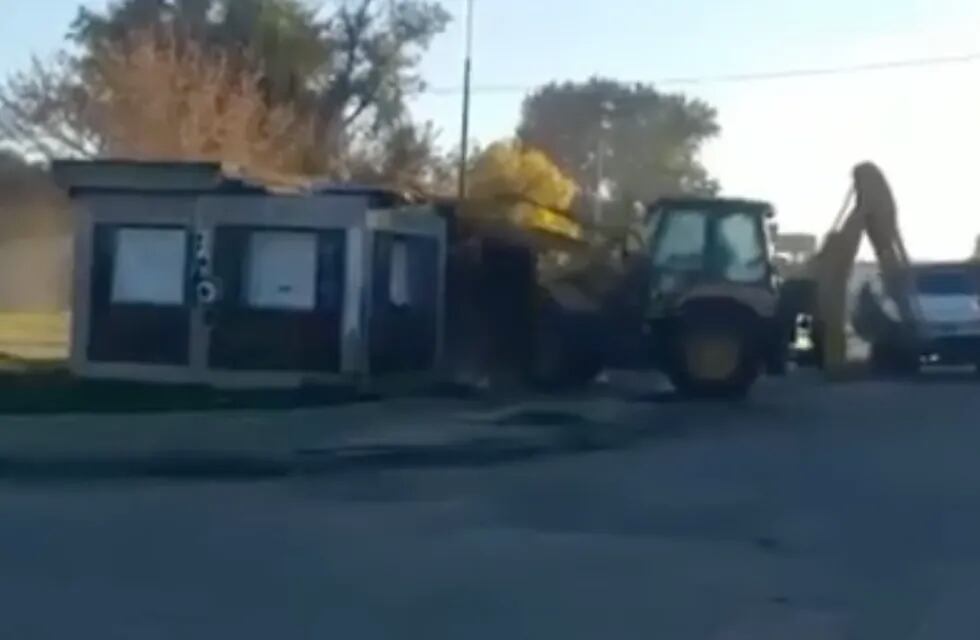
[{"x": 869, "y": 210}]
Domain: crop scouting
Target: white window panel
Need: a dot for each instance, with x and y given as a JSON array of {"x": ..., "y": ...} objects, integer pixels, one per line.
[
  {"x": 399, "y": 291},
  {"x": 150, "y": 266},
  {"x": 281, "y": 270}
]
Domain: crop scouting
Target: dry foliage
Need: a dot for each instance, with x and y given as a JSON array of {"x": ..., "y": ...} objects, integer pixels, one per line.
[
  {"x": 282, "y": 87},
  {"x": 159, "y": 98}
]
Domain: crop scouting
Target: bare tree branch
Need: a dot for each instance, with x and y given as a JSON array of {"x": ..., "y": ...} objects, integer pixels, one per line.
[{"x": 38, "y": 111}]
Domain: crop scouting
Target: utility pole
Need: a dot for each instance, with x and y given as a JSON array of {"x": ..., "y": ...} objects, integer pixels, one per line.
[
  {"x": 464, "y": 145},
  {"x": 600, "y": 177},
  {"x": 605, "y": 125}
]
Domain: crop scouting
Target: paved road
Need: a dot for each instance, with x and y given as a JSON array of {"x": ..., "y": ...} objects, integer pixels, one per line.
[{"x": 848, "y": 511}]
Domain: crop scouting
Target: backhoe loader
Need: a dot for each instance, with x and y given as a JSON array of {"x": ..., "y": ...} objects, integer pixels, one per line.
[
  {"x": 694, "y": 296},
  {"x": 819, "y": 290},
  {"x": 699, "y": 298}
]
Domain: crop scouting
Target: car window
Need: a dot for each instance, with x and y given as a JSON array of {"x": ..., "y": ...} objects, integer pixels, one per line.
[{"x": 740, "y": 248}]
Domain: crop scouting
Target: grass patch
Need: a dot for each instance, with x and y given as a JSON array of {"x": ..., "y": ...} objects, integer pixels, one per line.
[{"x": 34, "y": 336}]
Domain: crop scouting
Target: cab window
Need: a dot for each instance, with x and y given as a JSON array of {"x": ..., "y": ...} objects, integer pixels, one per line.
[
  {"x": 740, "y": 249},
  {"x": 681, "y": 241}
]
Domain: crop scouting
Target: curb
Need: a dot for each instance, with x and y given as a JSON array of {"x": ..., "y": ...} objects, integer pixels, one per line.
[{"x": 218, "y": 465}]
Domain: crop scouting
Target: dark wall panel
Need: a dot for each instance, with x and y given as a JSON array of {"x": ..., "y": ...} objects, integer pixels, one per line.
[
  {"x": 249, "y": 339},
  {"x": 404, "y": 334}
]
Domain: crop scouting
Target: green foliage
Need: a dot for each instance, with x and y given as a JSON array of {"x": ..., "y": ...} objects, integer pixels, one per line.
[
  {"x": 652, "y": 141},
  {"x": 283, "y": 37}
]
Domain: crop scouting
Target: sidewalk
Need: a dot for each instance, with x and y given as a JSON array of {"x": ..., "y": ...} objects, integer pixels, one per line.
[{"x": 247, "y": 444}]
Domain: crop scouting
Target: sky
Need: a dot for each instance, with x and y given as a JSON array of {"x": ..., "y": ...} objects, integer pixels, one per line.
[{"x": 791, "y": 141}]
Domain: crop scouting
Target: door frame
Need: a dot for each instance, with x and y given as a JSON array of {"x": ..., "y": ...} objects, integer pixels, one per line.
[
  {"x": 118, "y": 209},
  {"x": 312, "y": 214},
  {"x": 408, "y": 221}
]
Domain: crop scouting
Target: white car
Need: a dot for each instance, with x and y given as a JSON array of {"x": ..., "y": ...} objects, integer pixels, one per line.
[
  {"x": 947, "y": 297},
  {"x": 946, "y": 303}
]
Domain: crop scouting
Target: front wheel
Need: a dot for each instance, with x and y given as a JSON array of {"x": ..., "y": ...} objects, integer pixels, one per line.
[{"x": 714, "y": 358}]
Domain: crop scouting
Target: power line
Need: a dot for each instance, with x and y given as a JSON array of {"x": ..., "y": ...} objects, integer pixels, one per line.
[{"x": 760, "y": 76}]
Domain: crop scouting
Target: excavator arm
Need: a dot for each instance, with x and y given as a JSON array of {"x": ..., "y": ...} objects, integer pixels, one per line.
[{"x": 869, "y": 211}]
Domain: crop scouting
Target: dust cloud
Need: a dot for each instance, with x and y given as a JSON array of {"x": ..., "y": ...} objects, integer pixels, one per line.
[{"x": 35, "y": 246}]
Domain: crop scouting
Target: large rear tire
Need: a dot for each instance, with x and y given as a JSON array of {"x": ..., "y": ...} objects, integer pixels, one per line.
[{"x": 715, "y": 357}]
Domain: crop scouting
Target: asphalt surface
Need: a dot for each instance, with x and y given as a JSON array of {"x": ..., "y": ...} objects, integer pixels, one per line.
[{"x": 811, "y": 511}]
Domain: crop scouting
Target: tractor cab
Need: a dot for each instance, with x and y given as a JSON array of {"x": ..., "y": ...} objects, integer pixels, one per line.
[
  {"x": 711, "y": 310},
  {"x": 709, "y": 242}
]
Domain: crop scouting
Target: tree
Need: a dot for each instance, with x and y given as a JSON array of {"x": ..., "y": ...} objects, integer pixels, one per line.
[
  {"x": 513, "y": 180},
  {"x": 348, "y": 72},
  {"x": 403, "y": 157},
  {"x": 158, "y": 99},
  {"x": 283, "y": 37},
  {"x": 651, "y": 142},
  {"x": 356, "y": 64},
  {"x": 153, "y": 97},
  {"x": 43, "y": 111}
]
